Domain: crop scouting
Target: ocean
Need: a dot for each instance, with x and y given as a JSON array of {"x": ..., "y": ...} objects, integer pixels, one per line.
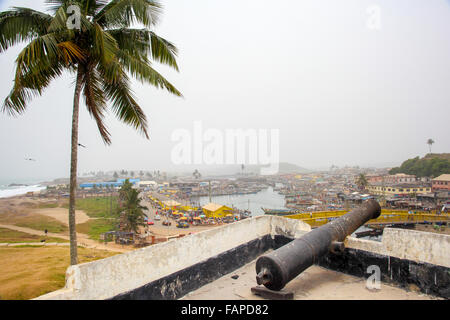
[{"x": 30, "y": 185}]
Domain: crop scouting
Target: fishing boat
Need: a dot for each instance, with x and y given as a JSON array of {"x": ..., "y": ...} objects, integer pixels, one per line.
[{"x": 279, "y": 212}]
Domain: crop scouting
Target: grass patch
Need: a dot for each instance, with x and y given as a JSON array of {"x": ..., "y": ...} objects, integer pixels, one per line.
[
  {"x": 99, "y": 207},
  {"x": 12, "y": 236},
  {"x": 49, "y": 205},
  {"x": 41, "y": 222},
  {"x": 94, "y": 227},
  {"x": 29, "y": 272}
]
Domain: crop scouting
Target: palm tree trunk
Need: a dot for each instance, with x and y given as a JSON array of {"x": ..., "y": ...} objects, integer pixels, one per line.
[{"x": 73, "y": 170}]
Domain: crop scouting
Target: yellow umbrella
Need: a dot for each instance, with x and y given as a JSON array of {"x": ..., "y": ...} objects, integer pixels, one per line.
[
  {"x": 183, "y": 218},
  {"x": 197, "y": 218}
]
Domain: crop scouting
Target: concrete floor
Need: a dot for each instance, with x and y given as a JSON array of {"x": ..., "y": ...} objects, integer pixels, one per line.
[{"x": 315, "y": 283}]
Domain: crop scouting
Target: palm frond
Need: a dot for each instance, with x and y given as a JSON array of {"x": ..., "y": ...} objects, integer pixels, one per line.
[
  {"x": 88, "y": 7},
  {"x": 123, "y": 13},
  {"x": 30, "y": 82},
  {"x": 104, "y": 45},
  {"x": 55, "y": 5},
  {"x": 143, "y": 71},
  {"x": 71, "y": 52},
  {"x": 142, "y": 42},
  {"x": 59, "y": 21},
  {"x": 123, "y": 102},
  {"x": 21, "y": 24},
  {"x": 95, "y": 100}
]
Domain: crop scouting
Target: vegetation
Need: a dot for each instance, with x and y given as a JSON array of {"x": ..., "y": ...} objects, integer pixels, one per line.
[
  {"x": 48, "y": 205},
  {"x": 13, "y": 236},
  {"x": 430, "y": 143},
  {"x": 197, "y": 174},
  {"x": 28, "y": 272},
  {"x": 101, "y": 48},
  {"x": 130, "y": 213},
  {"x": 103, "y": 210},
  {"x": 426, "y": 167},
  {"x": 361, "y": 181},
  {"x": 33, "y": 221},
  {"x": 99, "y": 207},
  {"x": 95, "y": 227}
]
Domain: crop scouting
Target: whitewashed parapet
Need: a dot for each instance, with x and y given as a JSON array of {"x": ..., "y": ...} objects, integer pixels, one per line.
[{"x": 413, "y": 245}]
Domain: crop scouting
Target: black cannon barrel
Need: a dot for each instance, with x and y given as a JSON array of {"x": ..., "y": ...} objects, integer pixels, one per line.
[{"x": 275, "y": 269}]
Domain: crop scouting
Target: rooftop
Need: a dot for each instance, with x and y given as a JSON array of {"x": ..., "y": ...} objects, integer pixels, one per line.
[
  {"x": 442, "y": 177},
  {"x": 314, "y": 283}
]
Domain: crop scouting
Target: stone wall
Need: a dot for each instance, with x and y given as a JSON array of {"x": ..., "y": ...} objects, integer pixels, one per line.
[
  {"x": 407, "y": 244},
  {"x": 106, "y": 278},
  {"x": 117, "y": 275}
]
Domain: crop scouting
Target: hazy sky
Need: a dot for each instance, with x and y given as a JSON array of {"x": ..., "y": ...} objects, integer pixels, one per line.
[{"x": 340, "y": 90}]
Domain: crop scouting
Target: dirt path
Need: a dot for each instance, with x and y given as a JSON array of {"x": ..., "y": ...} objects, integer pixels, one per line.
[{"x": 82, "y": 239}]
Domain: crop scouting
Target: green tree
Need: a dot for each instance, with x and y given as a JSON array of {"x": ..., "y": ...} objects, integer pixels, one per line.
[
  {"x": 361, "y": 181},
  {"x": 430, "y": 143},
  {"x": 124, "y": 190},
  {"x": 101, "y": 53},
  {"x": 425, "y": 167},
  {"x": 130, "y": 210},
  {"x": 196, "y": 174},
  {"x": 115, "y": 175}
]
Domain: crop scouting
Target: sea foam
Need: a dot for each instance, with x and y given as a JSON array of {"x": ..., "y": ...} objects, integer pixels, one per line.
[{"x": 16, "y": 191}]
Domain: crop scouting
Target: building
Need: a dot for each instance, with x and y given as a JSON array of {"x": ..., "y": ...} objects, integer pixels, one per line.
[
  {"x": 398, "y": 190},
  {"x": 147, "y": 184},
  {"x": 374, "y": 178},
  {"x": 108, "y": 184},
  {"x": 441, "y": 183},
  {"x": 400, "y": 178},
  {"x": 214, "y": 210}
]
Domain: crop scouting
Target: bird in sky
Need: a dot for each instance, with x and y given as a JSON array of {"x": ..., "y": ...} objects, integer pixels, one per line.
[
  {"x": 30, "y": 159},
  {"x": 81, "y": 145}
]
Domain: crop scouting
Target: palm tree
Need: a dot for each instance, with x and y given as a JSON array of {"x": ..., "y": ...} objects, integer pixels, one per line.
[
  {"x": 430, "y": 143},
  {"x": 362, "y": 181},
  {"x": 196, "y": 174},
  {"x": 102, "y": 53},
  {"x": 132, "y": 212}
]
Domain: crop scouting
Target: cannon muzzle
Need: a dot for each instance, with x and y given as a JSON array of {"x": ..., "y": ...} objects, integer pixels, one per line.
[{"x": 274, "y": 270}]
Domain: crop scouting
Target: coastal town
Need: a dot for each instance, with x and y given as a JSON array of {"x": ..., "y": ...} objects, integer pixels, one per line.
[
  {"x": 180, "y": 205},
  {"x": 176, "y": 206},
  {"x": 210, "y": 150}
]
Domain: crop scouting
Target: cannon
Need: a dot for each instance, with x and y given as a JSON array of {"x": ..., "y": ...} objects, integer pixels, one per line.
[{"x": 275, "y": 269}]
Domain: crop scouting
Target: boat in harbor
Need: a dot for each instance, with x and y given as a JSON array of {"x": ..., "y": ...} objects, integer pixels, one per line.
[{"x": 279, "y": 212}]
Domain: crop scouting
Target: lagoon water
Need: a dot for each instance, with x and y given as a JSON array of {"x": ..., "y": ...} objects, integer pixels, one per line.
[{"x": 266, "y": 198}]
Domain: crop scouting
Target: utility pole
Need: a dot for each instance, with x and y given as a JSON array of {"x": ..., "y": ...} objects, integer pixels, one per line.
[
  {"x": 383, "y": 188},
  {"x": 209, "y": 191}
]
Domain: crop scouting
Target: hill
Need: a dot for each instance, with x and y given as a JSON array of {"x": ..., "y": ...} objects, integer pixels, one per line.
[
  {"x": 445, "y": 156},
  {"x": 432, "y": 165}
]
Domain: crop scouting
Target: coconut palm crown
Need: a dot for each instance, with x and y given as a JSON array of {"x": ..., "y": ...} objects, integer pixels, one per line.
[{"x": 103, "y": 44}]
